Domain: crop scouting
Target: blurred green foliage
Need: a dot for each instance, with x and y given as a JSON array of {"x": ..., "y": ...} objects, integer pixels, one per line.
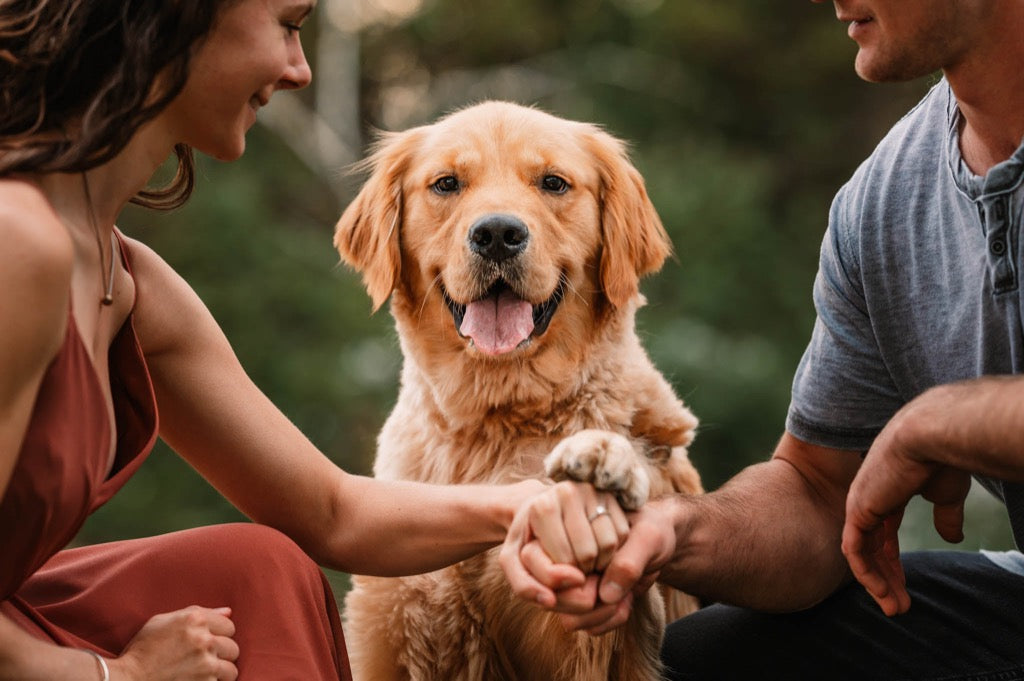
[{"x": 744, "y": 117}]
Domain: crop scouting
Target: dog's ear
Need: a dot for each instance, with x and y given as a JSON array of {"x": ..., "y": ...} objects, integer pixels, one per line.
[
  {"x": 367, "y": 235},
  {"x": 634, "y": 241}
]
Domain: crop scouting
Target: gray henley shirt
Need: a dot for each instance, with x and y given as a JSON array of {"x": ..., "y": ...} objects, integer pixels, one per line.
[{"x": 918, "y": 285}]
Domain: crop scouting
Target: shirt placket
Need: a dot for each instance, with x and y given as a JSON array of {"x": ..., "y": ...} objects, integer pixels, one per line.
[{"x": 1001, "y": 239}]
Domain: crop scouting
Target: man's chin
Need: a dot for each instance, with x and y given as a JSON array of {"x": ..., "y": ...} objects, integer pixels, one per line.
[{"x": 872, "y": 68}]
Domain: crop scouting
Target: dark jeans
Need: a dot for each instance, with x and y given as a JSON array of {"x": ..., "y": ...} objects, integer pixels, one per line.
[{"x": 966, "y": 621}]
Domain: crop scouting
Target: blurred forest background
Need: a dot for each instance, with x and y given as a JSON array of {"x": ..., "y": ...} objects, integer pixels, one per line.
[{"x": 744, "y": 116}]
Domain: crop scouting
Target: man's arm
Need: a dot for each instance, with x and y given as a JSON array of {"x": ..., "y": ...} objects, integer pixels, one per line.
[
  {"x": 768, "y": 539},
  {"x": 930, "y": 447}
]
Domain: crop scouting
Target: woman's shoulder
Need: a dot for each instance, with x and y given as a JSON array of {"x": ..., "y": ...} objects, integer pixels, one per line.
[
  {"x": 166, "y": 309},
  {"x": 141, "y": 256},
  {"x": 149, "y": 270},
  {"x": 32, "y": 233},
  {"x": 35, "y": 274}
]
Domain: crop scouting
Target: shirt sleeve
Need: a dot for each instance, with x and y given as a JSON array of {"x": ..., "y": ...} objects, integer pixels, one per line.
[{"x": 843, "y": 394}]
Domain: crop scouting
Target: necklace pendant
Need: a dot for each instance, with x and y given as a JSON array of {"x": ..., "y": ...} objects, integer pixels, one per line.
[{"x": 107, "y": 299}]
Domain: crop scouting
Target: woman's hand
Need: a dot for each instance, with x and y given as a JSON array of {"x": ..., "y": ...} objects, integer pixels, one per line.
[
  {"x": 559, "y": 537},
  {"x": 633, "y": 569},
  {"x": 194, "y": 644}
]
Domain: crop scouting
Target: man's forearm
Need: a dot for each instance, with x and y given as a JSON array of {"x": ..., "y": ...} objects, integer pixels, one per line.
[
  {"x": 975, "y": 426},
  {"x": 769, "y": 540}
]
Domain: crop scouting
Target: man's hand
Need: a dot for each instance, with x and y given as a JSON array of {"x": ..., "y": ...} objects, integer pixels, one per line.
[{"x": 901, "y": 463}]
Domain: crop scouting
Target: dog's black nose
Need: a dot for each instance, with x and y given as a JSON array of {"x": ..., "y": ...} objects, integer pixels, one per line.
[{"x": 498, "y": 237}]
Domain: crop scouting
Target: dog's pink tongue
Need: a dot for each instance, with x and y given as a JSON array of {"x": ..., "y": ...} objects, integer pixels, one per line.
[{"x": 498, "y": 324}]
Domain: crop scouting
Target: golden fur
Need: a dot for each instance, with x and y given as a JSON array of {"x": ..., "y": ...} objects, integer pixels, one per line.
[{"x": 474, "y": 411}]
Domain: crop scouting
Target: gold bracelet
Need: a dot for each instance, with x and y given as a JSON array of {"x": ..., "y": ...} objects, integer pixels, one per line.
[{"x": 104, "y": 669}]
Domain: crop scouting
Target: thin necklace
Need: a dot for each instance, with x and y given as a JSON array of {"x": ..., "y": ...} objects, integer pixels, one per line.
[{"x": 108, "y": 295}]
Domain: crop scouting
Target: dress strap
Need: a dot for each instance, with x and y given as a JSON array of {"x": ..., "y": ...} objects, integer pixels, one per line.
[{"x": 122, "y": 246}]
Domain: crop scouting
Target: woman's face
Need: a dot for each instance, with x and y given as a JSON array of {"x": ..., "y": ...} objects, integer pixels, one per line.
[{"x": 252, "y": 51}]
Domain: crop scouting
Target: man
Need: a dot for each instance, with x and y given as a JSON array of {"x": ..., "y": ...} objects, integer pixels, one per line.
[{"x": 913, "y": 359}]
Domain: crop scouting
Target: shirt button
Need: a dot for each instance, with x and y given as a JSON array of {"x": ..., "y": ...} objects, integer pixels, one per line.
[{"x": 998, "y": 247}]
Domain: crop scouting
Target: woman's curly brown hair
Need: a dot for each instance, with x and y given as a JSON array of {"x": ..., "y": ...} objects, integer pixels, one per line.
[{"x": 79, "y": 77}]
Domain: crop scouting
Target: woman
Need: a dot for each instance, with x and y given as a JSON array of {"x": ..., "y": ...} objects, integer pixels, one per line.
[{"x": 98, "y": 333}]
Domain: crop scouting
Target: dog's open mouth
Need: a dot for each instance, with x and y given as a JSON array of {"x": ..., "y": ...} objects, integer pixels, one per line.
[{"x": 500, "y": 321}]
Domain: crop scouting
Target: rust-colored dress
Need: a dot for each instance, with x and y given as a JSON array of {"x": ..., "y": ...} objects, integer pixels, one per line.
[{"x": 98, "y": 597}]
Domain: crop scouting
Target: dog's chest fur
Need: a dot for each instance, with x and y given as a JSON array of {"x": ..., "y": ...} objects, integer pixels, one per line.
[{"x": 457, "y": 423}]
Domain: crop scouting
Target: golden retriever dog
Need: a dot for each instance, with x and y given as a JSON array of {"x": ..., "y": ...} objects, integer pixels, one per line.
[{"x": 511, "y": 244}]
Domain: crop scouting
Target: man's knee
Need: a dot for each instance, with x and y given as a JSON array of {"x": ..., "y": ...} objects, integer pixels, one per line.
[{"x": 714, "y": 642}]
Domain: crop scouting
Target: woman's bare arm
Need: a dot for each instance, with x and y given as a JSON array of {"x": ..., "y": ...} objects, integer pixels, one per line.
[{"x": 219, "y": 420}]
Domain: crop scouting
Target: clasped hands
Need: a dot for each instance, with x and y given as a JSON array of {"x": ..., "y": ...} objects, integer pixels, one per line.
[{"x": 573, "y": 550}]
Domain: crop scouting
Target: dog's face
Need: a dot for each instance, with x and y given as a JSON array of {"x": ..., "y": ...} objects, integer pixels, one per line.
[{"x": 499, "y": 224}]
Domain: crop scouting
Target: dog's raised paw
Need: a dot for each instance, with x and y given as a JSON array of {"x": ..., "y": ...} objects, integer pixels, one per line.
[{"x": 605, "y": 459}]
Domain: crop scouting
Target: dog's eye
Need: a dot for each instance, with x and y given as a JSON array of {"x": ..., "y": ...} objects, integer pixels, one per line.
[
  {"x": 554, "y": 184},
  {"x": 446, "y": 185}
]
